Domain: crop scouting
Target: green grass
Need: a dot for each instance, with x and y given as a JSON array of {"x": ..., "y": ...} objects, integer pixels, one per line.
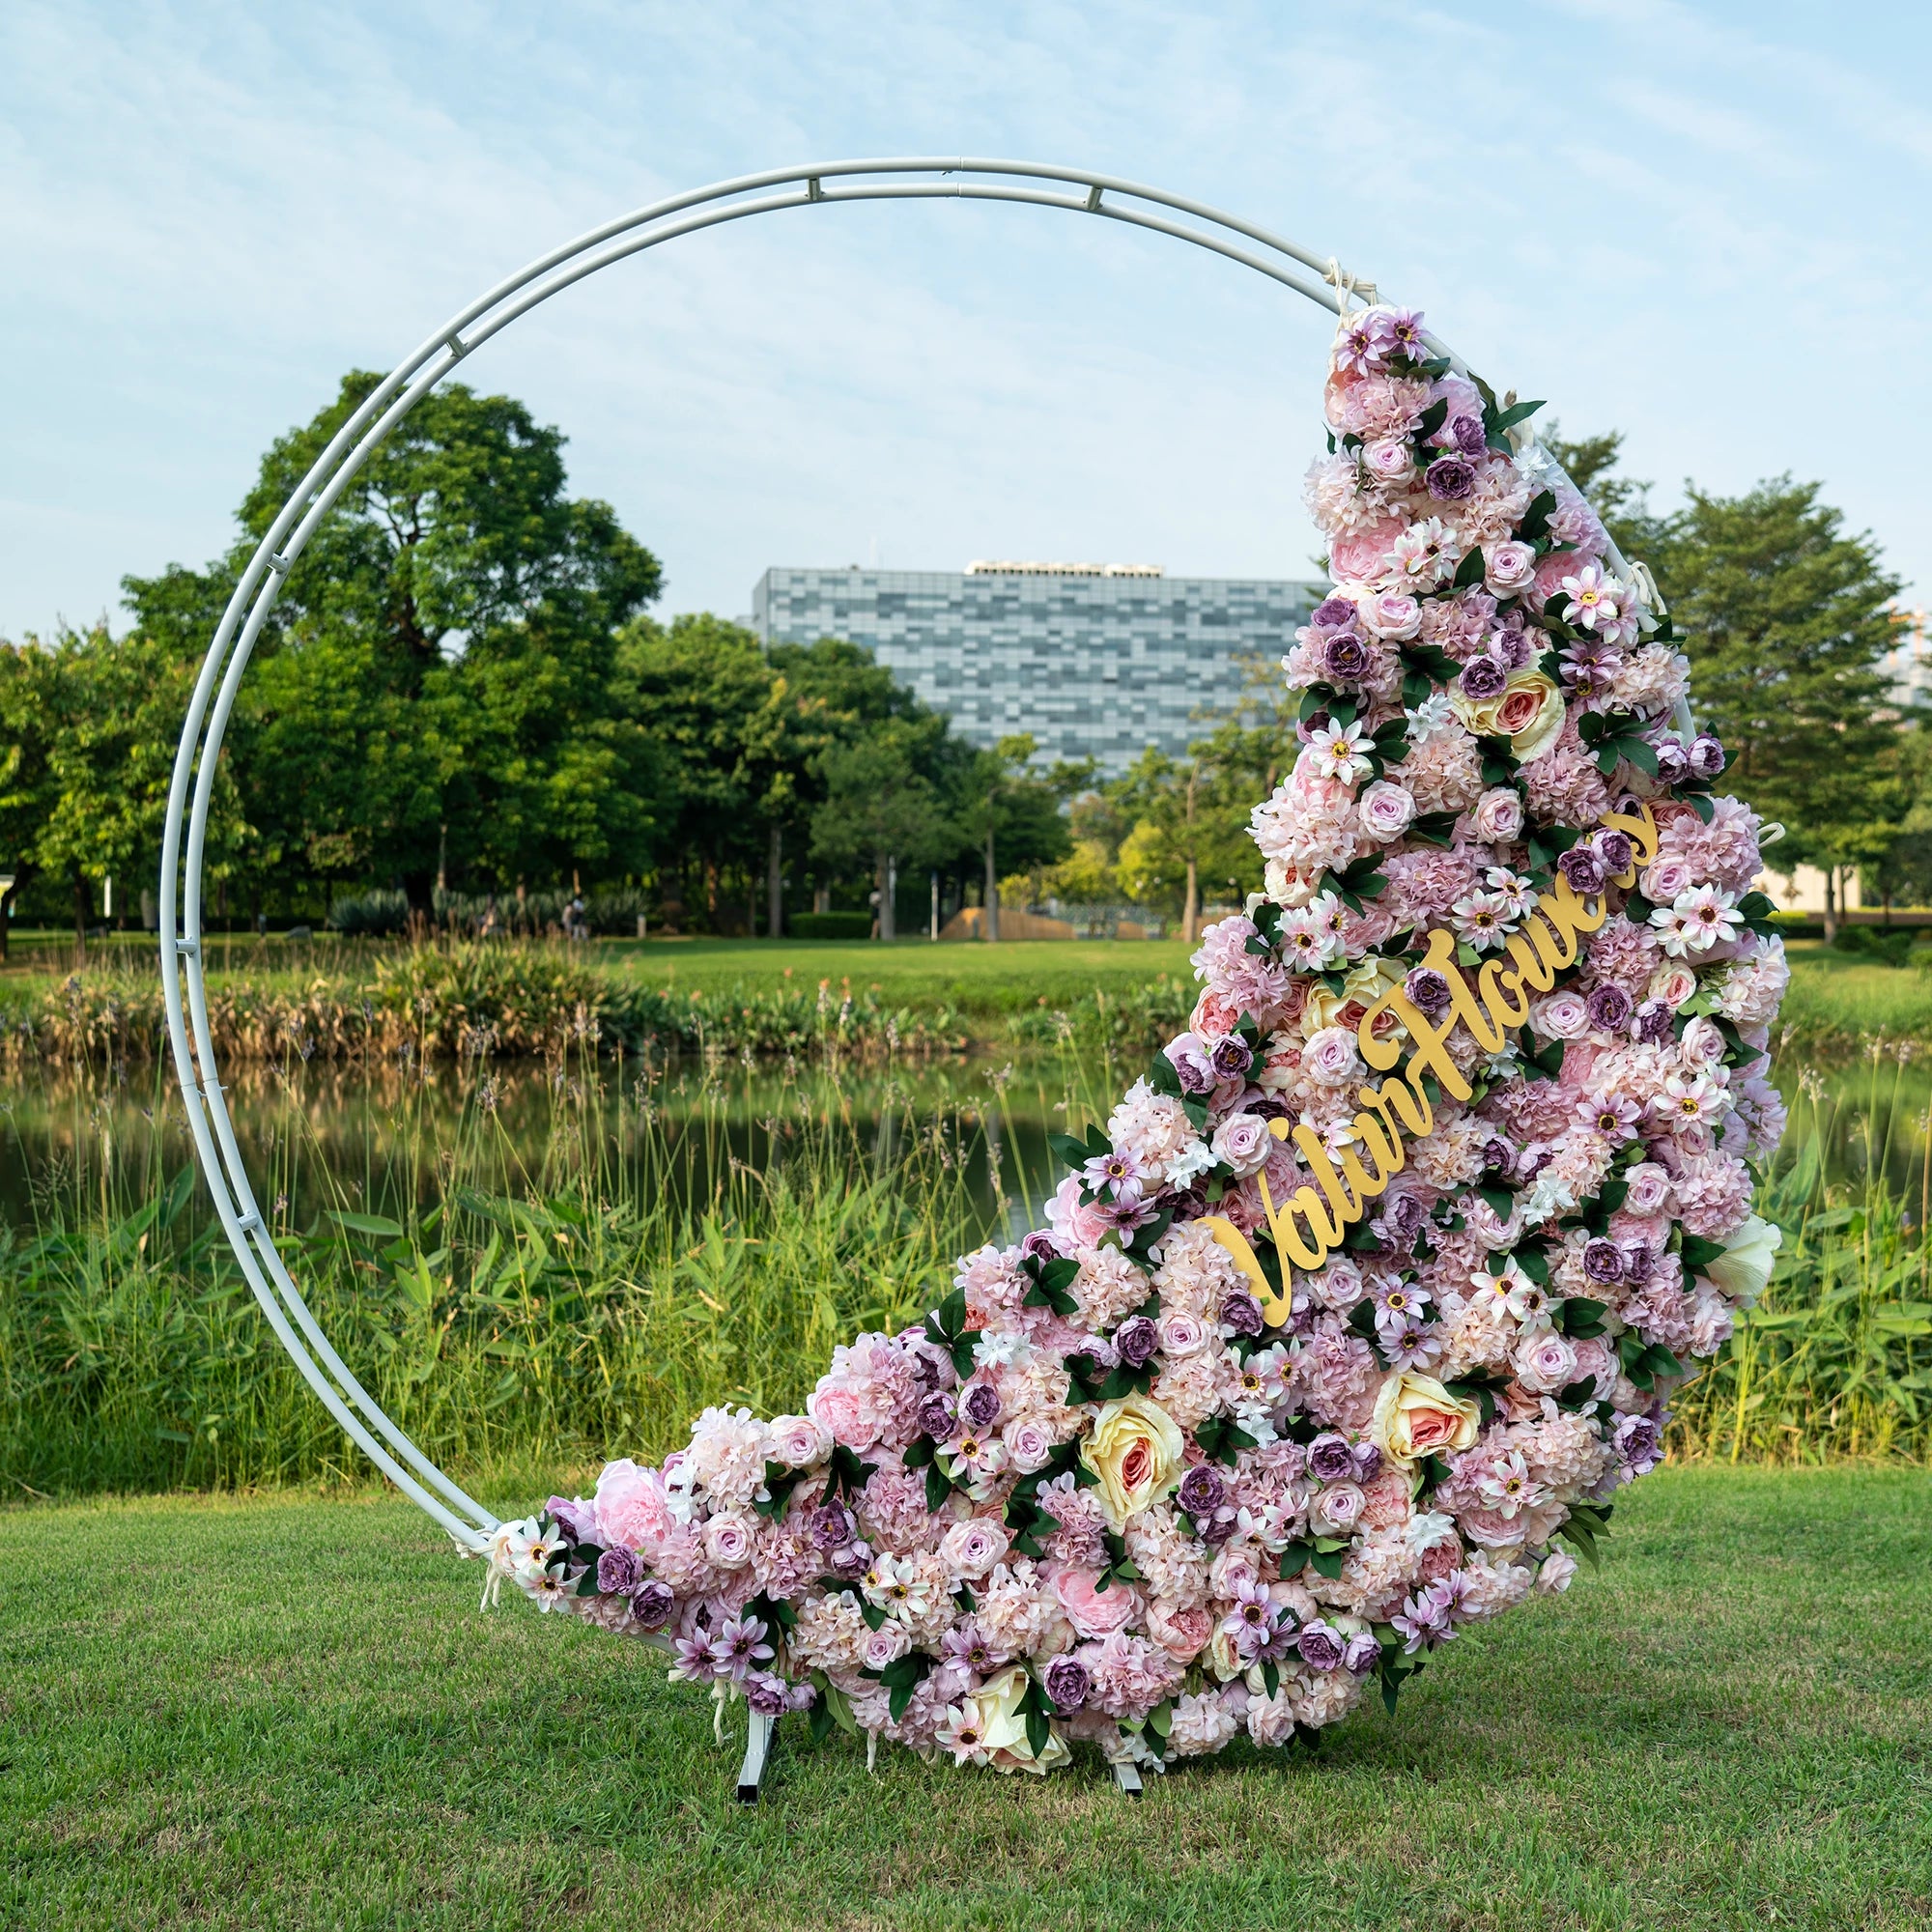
[
  {"x": 1837, "y": 998},
  {"x": 292, "y": 1714}
]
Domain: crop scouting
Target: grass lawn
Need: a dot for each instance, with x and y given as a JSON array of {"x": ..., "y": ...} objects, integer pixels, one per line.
[{"x": 290, "y": 1713}]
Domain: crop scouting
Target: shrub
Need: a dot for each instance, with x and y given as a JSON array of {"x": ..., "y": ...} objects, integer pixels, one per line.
[
  {"x": 1893, "y": 947},
  {"x": 375, "y": 914},
  {"x": 831, "y": 925}
]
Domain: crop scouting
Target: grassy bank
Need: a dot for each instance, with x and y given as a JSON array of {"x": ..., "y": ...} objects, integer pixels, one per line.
[{"x": 292, "y": 1714}]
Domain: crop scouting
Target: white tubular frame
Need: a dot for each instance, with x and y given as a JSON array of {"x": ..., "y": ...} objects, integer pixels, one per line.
[{"x": 184, "y": 981}]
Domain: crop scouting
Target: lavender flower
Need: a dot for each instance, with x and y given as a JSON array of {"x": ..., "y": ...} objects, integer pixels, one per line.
[
  {"x": 1483, "y": 677},
  {"x": 1333, "y": 613},
  {"x": 1360, "y": 1654},
  {"x": 1603, "y": 1260},
  {"x": 1330, "y": 1458},
  {"x": 1203, "y": 1490},
  {"x": 1135, "y": 1340},
  {"x": 578, "y": 1519},
  {"x": 739, "y": 1646},
  {"x": 1424, "y": 1621},
  {"x": 1038, "y": 1247},
  {"x": 1427, "y": 992},
  {"x": 1193, "y": 1064},
  {"x": 1066, "y": 1682},
  {"x": 1609, "y": 1006},
  {"x": 1707, "y": 757},
  {"x": 1368, "y": 1461},
  {"x": 1119, "y": 1172},
  {"x": 692, "y": 1661},
  {"x": 1233, "y": 1056},
  {"x": 966, "y": 1643},
  {"x": 938, "y": 1416},
  {"x": 1241, "y": 1313},
  {"x": 1584, "y": 870},
  {"x": 1615, "y": 850},
  {"x": 1450, "y": 479},
  {"x": 765, "y": 1693},
  {"x": 652, "y": 1605},
  {"x": 618, "y": 1572},
  {"x": 1651, "y": 1022},
  {"x": 1638, "y": 1443},
  {"x": 1320, "y": 1645}
]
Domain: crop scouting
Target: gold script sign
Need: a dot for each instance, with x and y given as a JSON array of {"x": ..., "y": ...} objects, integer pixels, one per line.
[{"x": 1311, "y": 1223}]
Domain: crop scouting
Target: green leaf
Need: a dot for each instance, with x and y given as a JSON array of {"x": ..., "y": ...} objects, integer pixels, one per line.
[
  {"x": 1581, "y": 1317},
  {"x": 377, "y": 1225},
  {"x": 1536, "y": 518},
  {"x": 1469, "y": 572}
]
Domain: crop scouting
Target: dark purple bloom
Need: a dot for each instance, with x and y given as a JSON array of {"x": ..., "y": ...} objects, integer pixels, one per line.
[
  {"x": 833, "y": 1526},
  {"x": 1498, "y": 1156},
  {"x": 651, "y": 1604},
  {"x": 1652, "y": 1022},
  {"x": 1400, "y": 1221},
  {"x": 1470, "y": 439},
  {"x": 578, "y": 1519},
  {"x": 1136, "y": 1339},
  {"x": 1584, "y": 870},
  {"x": 1427, "y": 992},
  {"x": 1638, "y": 1263},
  {"x": 981, "y": 1405},
  {"x": 1450, "y": 479},
  {"x": 1038, "y": 1246},
  {"x": 1193, "y": 1064},
  {"x": 938, "y": 1416},
  {"x": 1203, "y": 1490},
  {"x": 1611, "y": 1009},
  {"x": 1322, "y": 1646},
  {"x": 1330, "y": 1459},
  {"x": 1346, "y": 656},
  {"x": 933, "y": 1364},
  {"x": 1242, "y": 1312},
  {"x": 1673, "y": 761},
  {"x": 1359, "y": 1655},
  {"x": 1614, "y": 849},
  {"x": 1333, "y": 613},
  {"x": 1707, "y": 757},
  {"x": 1368, "y": 1461},
  {"x": 618, "y": 1572},
  {"x": 1066, "y": 1682},
  {"x": 1233, "y": 1056},
  {"x": 1483, "y": 677},
  {"x": 1603, "y": 1260},
  {"x": 766, "y": 1694}
]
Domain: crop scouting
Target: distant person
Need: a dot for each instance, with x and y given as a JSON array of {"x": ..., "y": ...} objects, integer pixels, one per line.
[
  {"x": 575, "y": 922},
  {"x": 491, "y": 924}
]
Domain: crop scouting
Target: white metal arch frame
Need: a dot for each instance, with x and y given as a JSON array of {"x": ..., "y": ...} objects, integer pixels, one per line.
[{"x": 182, "y": 975}]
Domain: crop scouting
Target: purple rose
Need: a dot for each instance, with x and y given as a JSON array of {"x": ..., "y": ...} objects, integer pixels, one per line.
[
  {"x": 938, "y": 1416},
  {"x": 1653, "y": 1021},
  {"x": 1584, "y": 870},
  {"x": 1038, "y": 1247},
  {"x": 1203, "y": 1490},
  {"x": 1333, "y": 613},
  {"x": 1707, "y": 757},
  {"x": 1322, "y": 1646},
  {"x": 765, "y": 1693},
  {"x": 1450, "y": 479},
  {"x": 1360, "y": 1654},
  {"x": 1611, "y": 1009},
  {"x": 1427, "y": 992},
  {"x": 1638, "y": 1263},
  {"x": 1242, "y": 1312},
  {"x": 1402, "y": 1217},
  {"x": 617, "y": 1572},
  {"x": 1673, "y": 761},
  {"x": 1136, "y": 1339},
  {"x": 833, "y": 1526},
  {"x": 1346, "y": 656},
  {"x": 1193, "y": 1061},
  {"x": 577, "y": 1519},
  {"x": 1639, "y": 1443},
  {"x": 1330, "y": 1459},
  {"x": 1483, "y": 678},
  {"x": 1232, "y": 1056},
  {"x": 1614, "y": 849},
  {"x": 1472, "y": 440},
  {"x": 982, "y": 1404},
  {"x": 1603, "y": 1260},
  {"x": 1368, "y": 1461},
  {"x": 1066, "y": 1682},
  {"x": 651, "y": 1604}
]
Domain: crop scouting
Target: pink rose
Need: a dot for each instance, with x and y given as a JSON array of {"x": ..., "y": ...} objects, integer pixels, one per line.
[
  {"x": 1386, "y": 810},
  {"x": 1388, "y": 461},
  {"x": 1546, "y": 1362},
  {"x": 1672, "y": 984},
  {"x": 1509, "y": 566},
  {"x": 1649, "y": 1187},
  {"x": 633, "y": 1511},
  {"x": 1393, "y": 615},
  {"x": 1702, "y": 1044},
  {"x": 1662, "y": 879},
  {"x": 1089, "y": 1610},
  {"x": 1361, "y": 557},
  {"x": 1029, "y": 1443},
  {"x": 845, "y": 1413},
  {"x": 971, "y": 1549},
  {"x": 798, "y": 1442},
  {"x": 1497, "y": 816},
  {"x": 727, "y": 1541},
  {"x": 1563, "y": 1015},
  {"x": 1244, "y": 1142},
  {"x": 886, "y": 1644},
  {"x": 1517, "y": 709},
  {"x": 1182, "y": 1335},
  {"x": 1337, "y": 1510},
  {"x": 1074, "y": 1225},
  {"x": 1180, "y": 1629},
  {"x": 1330, "y": 1057}
]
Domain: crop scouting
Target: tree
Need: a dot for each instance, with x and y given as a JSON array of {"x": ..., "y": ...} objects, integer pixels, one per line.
[
  {"x": 879, "y": 806},
  {"x": 1011, "y": 814},
  {"x": 1189, "y": 818},
  {"x": 1786, "y": 616},
  {"x": 1623, "y": 502}
]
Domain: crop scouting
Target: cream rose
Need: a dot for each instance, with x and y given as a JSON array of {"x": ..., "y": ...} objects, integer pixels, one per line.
[
  {"x": 1135, "y": 1450},
  {"x": 995, "y": 1711},
  {"x": 1528, "y": 711},
  {"x": 1416, "y": 1416},
  {"x": 1745, "y": 1266}
]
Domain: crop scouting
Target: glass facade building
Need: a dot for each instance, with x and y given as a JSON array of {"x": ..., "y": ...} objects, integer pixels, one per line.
[{"x": 1097, "y": 660}]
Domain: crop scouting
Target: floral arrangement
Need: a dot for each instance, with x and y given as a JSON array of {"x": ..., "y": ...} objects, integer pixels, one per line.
[{"x": 1141, "y": 1480}]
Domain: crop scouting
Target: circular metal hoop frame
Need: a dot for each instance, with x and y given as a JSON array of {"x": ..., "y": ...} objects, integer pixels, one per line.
[{"x": 182, "y": 972}]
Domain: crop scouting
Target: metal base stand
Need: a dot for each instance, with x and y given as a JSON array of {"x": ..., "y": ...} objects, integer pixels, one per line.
[
  {"x": 757, "y": 1753},
  {"x": 1127, "y": 1777}
]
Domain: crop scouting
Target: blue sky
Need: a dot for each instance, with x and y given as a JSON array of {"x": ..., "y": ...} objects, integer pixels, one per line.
[{"x": 1706, "y": 226}]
